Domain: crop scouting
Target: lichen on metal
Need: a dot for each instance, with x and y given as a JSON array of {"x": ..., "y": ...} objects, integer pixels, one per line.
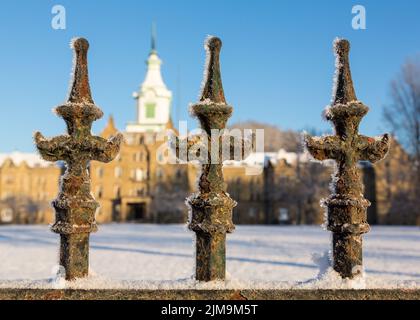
[
  {"x": 346, "y": 206},
  {"x": 211, "y": 207},
  {"x": 75, "y": 205}
]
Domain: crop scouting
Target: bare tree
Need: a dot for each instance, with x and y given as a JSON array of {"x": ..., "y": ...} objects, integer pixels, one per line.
[{"x": 403, "y": 115}]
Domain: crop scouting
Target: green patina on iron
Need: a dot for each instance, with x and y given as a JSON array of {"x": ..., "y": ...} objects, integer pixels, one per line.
[
  {"x": 75, "y": 205},
  {"x": 347, "y": 208},
  {"x": 211, "y": 207}
]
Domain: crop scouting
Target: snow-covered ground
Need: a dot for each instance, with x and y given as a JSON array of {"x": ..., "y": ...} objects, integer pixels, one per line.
[{"x": 138, "y": 255}]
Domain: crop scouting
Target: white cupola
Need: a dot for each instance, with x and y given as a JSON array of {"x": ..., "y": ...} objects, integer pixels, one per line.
[{"x": 153, "y": 100}]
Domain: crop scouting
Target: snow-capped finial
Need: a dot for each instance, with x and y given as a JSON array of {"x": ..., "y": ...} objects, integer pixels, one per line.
[
  {"x": 344, "y": 90},
  {"x": 213, "y": 88},
  {"x": 80, "y": 89},
  {"x": 346, "y": 206},
  {"x": 75, "y": 205}
]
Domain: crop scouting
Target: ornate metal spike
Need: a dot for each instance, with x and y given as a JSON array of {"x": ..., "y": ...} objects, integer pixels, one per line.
[
  {"x": 80, "y": 90},
  {"x": 347, "y": 208},
  {"x": 344, "y": 90},
  {"x": 213, "y": 88},
  {"x": 211, "y": 207},
  {"x": 75, "y": 206}
]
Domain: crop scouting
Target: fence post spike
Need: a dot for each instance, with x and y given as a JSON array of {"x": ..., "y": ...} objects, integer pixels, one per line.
[
  {"x": 211, "y": 207},
  {"x": 346, "y": 206},
  {"x": 75, "y": 205}
]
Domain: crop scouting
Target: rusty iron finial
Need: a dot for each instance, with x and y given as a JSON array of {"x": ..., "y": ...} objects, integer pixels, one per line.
[
  {"x": 75, "y": 205},
  {"x": 347, "y": 216},
  {"x": 211, "y": 207},
  {"x": 213, "y": 88},
  {"x": 344, "y": 91},
  {"x": 80, "y": 90}
]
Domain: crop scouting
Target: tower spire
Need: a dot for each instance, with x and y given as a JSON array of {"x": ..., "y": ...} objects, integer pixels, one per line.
[{"x": 153, "y": 39}]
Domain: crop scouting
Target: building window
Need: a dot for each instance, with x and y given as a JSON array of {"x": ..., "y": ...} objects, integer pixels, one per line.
[
  {"x": 6, "y": 194},
  {"x": 138, "y": 157},
  {"x": 6, "y": 215},
  {"x": 118, "y": 172},
  {"x": 140, "y": 192},
  {"x": 150, "y": 137},
  {"x": 99, "y": 192},
  {"x": 178, "y": 174},
  {"x": 99, "y": 172},
  {"x": 138, "y": 175},
  {"x": 252, "y": 212},
  {"x": 8, "y": 179},
  {"x": 117, "y": 192},
  {"x": 150, "y": 110},
  {"x": 283, "y": 215},
  {"x": 159, "y": 173}
]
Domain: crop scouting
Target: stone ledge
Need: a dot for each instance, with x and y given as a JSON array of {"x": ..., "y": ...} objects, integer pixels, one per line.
[{"x": 188, "y": 294}]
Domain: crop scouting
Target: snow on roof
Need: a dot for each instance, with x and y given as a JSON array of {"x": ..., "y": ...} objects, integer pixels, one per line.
[
  {"x": 31, "y": 159},
  {"x": 261, "y": 158}
]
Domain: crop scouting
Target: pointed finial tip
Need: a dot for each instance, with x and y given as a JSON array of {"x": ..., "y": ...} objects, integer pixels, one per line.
[
  {"x": 341, "y": 46},
  {"x": 80, "y": 89},
  {"x": 343, "y": 91},
  {"x": 212, "y": 88},
  {"x": 213, "y": 43},
  {"x": 79, "y": 44}
]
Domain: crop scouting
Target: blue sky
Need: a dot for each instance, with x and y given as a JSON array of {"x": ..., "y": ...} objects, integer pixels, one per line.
[{"x": 277, "y": 60}]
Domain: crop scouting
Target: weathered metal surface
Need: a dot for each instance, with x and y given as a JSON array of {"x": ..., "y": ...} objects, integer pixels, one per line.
[
  {"x": 75, "y": 205},
  {"x": 347, "y": 208},
  {"x": 211, "y": 207},
  {"x": 190, "y": 294}
]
